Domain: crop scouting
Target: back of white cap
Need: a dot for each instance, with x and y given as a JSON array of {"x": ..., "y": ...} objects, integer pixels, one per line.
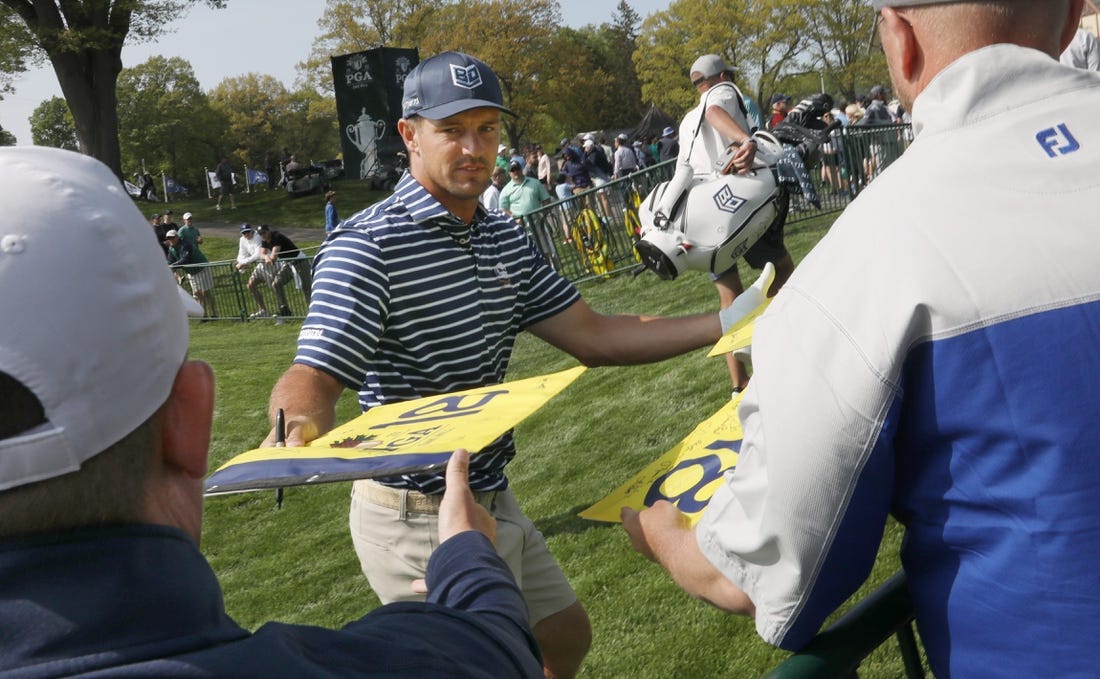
[{"x": 94, "y": 324}]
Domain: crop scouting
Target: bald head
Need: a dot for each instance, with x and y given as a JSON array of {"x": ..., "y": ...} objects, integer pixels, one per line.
[{"x": 921, "y": 40}]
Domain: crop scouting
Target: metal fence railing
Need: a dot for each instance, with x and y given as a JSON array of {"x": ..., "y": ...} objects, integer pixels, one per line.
[
  {"x": 277, "y": 291},
  {"x": 838, "y": 650},
  {"x": 591, "y": 235}
]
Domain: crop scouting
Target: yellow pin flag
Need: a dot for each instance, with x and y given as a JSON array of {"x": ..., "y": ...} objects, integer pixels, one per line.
[
  {"x": 686, "y": 476},
  {"x": 396, "y": 438}
]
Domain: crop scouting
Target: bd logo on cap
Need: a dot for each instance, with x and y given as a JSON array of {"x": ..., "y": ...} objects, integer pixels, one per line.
[{"x": 466, "y": 76}]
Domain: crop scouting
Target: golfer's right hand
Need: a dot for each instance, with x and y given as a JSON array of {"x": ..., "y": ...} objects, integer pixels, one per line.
[{"x": 459, "y": 512}]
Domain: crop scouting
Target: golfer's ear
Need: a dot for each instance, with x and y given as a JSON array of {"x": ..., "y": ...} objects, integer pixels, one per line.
[
  {"x": 407, "y": 129},
  {"x": 187, "y": 419}
]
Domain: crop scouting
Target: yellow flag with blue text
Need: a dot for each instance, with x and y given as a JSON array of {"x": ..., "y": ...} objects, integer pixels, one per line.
[
  {"x": 686, "y": 476},
  {"x": 396, "y": 438}
]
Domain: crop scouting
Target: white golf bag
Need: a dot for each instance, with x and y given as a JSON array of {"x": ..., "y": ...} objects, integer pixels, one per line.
[{"x": 707, "y": 222}]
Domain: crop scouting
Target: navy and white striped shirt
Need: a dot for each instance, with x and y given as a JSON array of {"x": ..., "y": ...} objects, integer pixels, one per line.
[{"x": 409, "y": 301}]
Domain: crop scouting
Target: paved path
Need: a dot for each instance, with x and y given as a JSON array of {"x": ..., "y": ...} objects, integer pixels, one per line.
[{"x": 230, "y": 231}]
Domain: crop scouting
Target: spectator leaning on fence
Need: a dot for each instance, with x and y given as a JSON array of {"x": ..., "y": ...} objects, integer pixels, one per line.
[
  {"x": 105, "y": 445},
  {"x": 187, "y": 255},
  {"x": 283, "y": 261},
  {"x": 934, "y": 368},
  {"x": 250, "y": 254}
]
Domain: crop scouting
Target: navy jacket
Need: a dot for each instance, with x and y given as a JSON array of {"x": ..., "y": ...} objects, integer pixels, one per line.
[{"x": 142, "y": 601}]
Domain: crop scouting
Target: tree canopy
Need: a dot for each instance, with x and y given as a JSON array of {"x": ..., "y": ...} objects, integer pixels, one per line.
[
  {"x": 559, "y": 80},
  {"x": 82, "y": 40},
  {"x": 52, "y": 125},
  {"x": 166, "y": 121}
]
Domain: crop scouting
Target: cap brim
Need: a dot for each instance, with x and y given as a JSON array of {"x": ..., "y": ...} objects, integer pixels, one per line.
[
  {"x": 190, "y": 306},
  {"x": 455, "y": 107}
]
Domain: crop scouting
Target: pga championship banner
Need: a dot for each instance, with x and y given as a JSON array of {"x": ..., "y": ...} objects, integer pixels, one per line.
[
  {"x": 686, "y": 476},
  {"x": 396, "y": 438},
  {"x": 369, "y": 86}
]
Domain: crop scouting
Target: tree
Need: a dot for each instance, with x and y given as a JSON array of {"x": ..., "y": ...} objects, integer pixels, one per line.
[
  {"x": 622, "y": 36},
  {"x": 263, "y": 115},
  {"x": 166, "y": 121},
  {"x": 15, "y": 49},
  {"x": 761, "y": 39},
  {"x": 522, "y": 42},
  {"x": 82, "y": 39},
  {"x": 607, "y": 91},
  {"x": 355, "y": 25},
  {"x": 6, "y": 138},
  {"x": 52, "y": 125},
  {"x": 839, "y": 33}
]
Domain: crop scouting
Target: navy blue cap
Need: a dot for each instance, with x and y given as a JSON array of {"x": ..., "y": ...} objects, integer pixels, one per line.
[{"x": 450, "y": 83}]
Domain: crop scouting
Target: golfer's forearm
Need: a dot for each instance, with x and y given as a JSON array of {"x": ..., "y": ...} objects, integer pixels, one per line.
[{"x": 307, "y": 398}]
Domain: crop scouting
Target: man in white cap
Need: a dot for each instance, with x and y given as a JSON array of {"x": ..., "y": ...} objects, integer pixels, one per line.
[
  {"x": 625, "y": 160},
  {"x": 424, "y": 294},
  {"x": 939, "y": 366},
  {"x": 104, "y": 438},
  {"x": 720, "y": 123},
  {"x": 667, "y": 147}
]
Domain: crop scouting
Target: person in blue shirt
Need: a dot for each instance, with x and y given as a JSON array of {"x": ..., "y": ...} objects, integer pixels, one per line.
[
  {"x": 331, "y": 218},
  {"x": 105, "y": 443}
]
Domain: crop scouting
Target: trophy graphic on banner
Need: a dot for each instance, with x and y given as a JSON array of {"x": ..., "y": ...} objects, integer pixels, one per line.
[{"x": 365, "y": 134}]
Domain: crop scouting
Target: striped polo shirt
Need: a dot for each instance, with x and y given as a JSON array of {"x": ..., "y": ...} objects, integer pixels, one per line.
[{"x": 409, "y": 301}]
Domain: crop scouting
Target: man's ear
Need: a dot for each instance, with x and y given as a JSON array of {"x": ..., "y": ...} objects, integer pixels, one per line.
[
  {"x": 187, "y": 419},
  {"x": 407, "y": 130},
  {"x": 900, "y": 43}
]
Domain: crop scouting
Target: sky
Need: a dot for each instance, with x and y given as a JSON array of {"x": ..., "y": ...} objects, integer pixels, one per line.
[{"x": 248, "y": 36}]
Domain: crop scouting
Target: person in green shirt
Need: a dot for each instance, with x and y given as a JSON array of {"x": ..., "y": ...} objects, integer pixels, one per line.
[
  {"x": 185, "y": 253},
  {"x": 523, "y": 195}
]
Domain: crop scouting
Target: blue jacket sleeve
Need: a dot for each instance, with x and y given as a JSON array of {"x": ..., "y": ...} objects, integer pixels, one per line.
[{"x": 466, "y": 573}]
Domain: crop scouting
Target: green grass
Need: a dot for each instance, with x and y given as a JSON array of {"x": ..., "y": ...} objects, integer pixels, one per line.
[
  {"x": 275, "y": 207},
  {"x": 297, "y": 564}
]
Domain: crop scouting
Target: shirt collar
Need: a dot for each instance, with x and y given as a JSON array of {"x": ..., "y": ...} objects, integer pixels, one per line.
[
  {"x": 424, "y": 208},
  {"x": 988, "y": 81}
]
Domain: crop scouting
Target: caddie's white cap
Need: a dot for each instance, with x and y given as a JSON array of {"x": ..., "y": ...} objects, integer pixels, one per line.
[
  {"x": 187, "y": 215},
  {"x": 709, "y": 65},
  {"x": 93, "y": 323}
]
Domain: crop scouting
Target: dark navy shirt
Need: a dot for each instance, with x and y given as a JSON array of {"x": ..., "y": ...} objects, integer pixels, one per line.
[{"x": 141, "y": 600}]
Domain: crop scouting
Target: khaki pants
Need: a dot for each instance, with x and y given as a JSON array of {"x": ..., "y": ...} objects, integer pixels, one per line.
[{"x": 395, "y": 531}]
